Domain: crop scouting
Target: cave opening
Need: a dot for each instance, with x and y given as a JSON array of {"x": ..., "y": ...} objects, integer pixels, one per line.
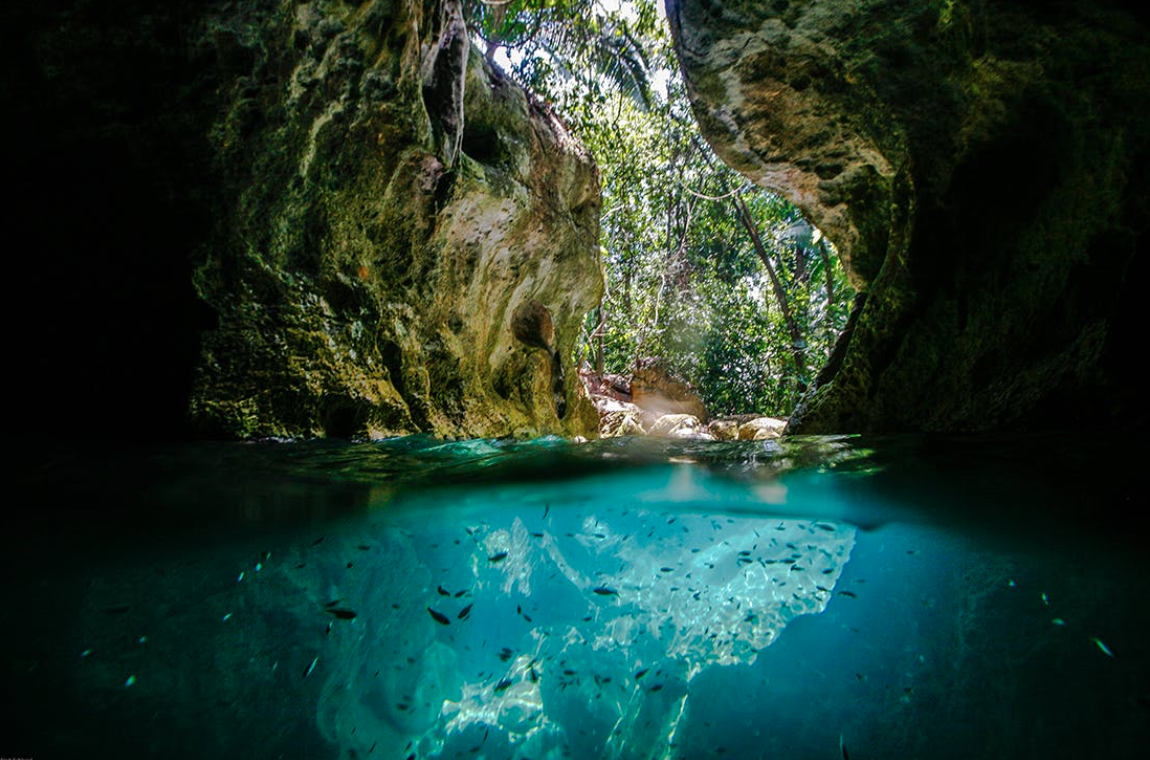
[{"x": 722, "y": 301}]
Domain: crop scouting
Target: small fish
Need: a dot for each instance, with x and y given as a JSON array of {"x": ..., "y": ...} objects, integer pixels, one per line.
[
  {"x": 1105, "y": 649},
  {"x": 239, "y": 579},
  {"x": 503, "y": 685},
  {"x": 438, "y": 617},
  {"x": 364, "y": 548},
  {"x": 460, "y": 593},
  {"x": 656, "y": 687},
  {"x": 641, "y": 673},
  {"x": 843, "y": 749},
  {"x": 332, "y": 603},
  {"x": 497, "y": 557},
  {"x": 318, "y": 541},
  {"x": 605, "y": 591},
  {"x": 85, "y": 653},
  {"x": 131, "y": 680},
  {"x": 342, "y": 614},
  {"x": 311, "y": 667},
  {"x": 1058, "y": 621},
  {"x": 533, "y": 675},
  {"x": 226, "y": 618},
  {"x": 546, "y": 509},
  {"x": 1045, "y": 599},
  {"x": 851, "y": 594},
  {"x": 569, "y": 672},
  {"x": 666, "y": 569},
  {"x": 464, "y": 612},
  {"x": 442, "y": 591}
]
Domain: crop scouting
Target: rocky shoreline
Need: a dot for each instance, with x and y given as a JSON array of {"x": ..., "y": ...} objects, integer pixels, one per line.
[{"x": 652, "y": 402}]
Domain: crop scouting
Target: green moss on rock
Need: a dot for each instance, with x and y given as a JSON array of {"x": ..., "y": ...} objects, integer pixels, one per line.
[{"x": 363, "y": 275}]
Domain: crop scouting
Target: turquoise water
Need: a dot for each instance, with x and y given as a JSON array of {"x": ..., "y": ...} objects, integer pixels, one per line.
[{"x": 822, "y": 598}]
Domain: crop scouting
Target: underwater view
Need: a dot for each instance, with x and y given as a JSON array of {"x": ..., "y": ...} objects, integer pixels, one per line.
[{"x": 821, "y": 597}]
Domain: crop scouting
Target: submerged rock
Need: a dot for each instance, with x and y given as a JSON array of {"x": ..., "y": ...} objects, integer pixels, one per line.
[{"x": 982, "y": 169}]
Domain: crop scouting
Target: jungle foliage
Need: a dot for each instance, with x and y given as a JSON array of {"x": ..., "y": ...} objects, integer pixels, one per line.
[{"x": 723, "y": 280}]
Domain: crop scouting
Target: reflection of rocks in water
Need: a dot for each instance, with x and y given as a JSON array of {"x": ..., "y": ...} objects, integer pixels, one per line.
[{"x": 583, "y": 637}]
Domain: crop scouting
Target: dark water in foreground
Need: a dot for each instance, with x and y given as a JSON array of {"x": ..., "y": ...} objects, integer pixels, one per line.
[{"x": 824, "y": 598}]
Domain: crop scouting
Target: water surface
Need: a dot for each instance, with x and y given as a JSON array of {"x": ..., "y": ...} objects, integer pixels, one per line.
[{"x": 630, "y": 598}]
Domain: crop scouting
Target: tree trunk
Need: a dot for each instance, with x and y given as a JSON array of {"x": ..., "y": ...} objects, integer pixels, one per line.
[
  {"x": 744, "y": 215},
  {"x": 599, "y": 331},
  {"x": 830, "y": 289},
  {"x": 827, "y": 271}
]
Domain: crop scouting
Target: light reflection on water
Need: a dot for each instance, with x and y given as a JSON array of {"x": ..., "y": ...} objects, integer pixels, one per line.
[{"x": 621, "y": 599}]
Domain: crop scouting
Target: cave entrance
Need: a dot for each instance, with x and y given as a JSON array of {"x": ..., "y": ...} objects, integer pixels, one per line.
[
  {"x": 721, "y": 299},
  {"x": 730, "y": 319}
]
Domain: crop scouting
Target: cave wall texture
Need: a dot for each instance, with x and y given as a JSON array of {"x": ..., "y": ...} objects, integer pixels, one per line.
[
  {"x": 275, "y": 218},
  {"x": 981, "y": 166}
]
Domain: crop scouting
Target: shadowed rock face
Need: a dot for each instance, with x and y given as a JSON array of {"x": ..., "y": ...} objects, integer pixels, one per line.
[
  {"x": 981, "y": 167},
  {"x": 297, "y": 218}
]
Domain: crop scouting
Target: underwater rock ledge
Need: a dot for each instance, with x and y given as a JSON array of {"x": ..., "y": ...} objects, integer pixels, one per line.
[{"x": 982, "y": 169}]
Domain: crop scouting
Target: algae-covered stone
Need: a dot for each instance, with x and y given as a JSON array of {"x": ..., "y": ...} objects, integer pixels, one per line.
[
  {"x": 383, "y": 224},
  {"x": 981, "y": 168}
]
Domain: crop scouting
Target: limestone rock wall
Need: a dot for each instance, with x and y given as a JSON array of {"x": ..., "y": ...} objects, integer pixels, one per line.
[
  {"x": 395, "y": 202},
  {"x": 981, "y": 167},
  {"x": 313, "y": 218}
]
